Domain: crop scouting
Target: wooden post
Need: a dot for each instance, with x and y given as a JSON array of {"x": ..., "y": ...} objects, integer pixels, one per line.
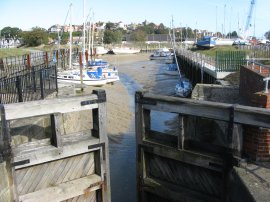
[
  {"x": 99, "y": 131},
  {"x": 46, "y": 61},
  {"x": 28, "y": 61},
  {"x": 5, "y": 159},
  {"x": 34, "y": 80},
  {"x": 41, "y": 84},
  {"x": 86, "y": 56},
  {"x": 19, "y": 89},
  {"x": 81, "y": 66}
]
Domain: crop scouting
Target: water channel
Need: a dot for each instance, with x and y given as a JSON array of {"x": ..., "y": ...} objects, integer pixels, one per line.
[{"x": 122, "y": 148}]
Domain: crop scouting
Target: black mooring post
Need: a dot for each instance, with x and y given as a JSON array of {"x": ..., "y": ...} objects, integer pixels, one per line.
[
  {"x": 19, "y": 89},
  {"x": 41, "y": 85}
]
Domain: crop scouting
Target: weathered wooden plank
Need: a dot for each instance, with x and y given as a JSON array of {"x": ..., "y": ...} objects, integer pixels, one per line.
[
  {"x": 89, "y": 197},
  {"x": 51, "y": 153},
  {"x": 193, "y": 158},
  {"x": 174, "y": 192},
  {"x": 56, "y": 130},
  {"x": 52, "y": 173},
  {"x": 65, "y": 190},
  {"x": 213, "y": 110},
  {"x": 46, "y": 107},
  {"x": 162, "y": 138}
]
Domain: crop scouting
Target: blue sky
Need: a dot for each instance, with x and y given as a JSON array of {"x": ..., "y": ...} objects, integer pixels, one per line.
[{"x": 192, "y": 13}]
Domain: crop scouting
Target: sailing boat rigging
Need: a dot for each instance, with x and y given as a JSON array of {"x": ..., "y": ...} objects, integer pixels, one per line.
[{"x": 183, "y": 88}]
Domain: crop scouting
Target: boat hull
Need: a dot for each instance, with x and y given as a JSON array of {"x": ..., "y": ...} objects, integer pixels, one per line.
[{"x": 125, "y": 51}]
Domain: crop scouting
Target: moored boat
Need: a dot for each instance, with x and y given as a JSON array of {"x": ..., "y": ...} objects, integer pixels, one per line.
[
  {"x": 206, "y": 42},
  {"x": 183, "y": 88},
  {"x": 162, "y": 54},
  {"x": 125, "y": 50},
  {"x": 87, "y": 77}
]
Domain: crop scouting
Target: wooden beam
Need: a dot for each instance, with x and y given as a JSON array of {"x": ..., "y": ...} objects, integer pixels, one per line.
[
  {"x": 65, "y": 190},
  {"x": 213, "y": 110},
  {"x": 186, "y": 156},
  {"x": 45, "y": 153},
  {"x": 174, "y": 192},
  {"x": 47, "y": 107}
]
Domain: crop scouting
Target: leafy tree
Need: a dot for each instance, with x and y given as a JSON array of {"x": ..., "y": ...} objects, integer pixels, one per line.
[
  {"x": 148, "y": 29},
  {"x": 267, "y": 35},
  {"x": 138, "y": 36},
  {"x": 112, "y": 36},
  {"x": 109, "y": 26},
  {"x": 35, "y": 37},
  {"x": 11, "y": 32},
  {"x": 233, "y": 34}
]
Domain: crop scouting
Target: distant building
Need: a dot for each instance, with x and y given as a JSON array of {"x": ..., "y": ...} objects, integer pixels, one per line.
[
  {"x": 121, "y": 25},
  {"x": 54, "y": 28}
]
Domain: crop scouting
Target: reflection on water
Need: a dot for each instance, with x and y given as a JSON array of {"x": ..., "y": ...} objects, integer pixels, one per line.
[{"x": 123, "y": 147}]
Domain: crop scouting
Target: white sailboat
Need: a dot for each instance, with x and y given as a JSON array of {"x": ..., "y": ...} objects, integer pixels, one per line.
[
  {"x": 82, "y": 75},
  {"x": 183, "y": 88}
]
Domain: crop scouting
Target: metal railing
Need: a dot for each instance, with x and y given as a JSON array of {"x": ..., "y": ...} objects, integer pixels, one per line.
[{"x": 28, "y": 85}]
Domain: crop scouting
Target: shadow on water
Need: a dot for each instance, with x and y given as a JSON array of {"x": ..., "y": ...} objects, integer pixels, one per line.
[{"x": 123, "y": 147}]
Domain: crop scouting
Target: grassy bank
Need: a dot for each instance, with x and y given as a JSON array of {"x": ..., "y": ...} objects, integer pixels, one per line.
[
  {"x": 8, "y": 52},
  {"x": 212, "y": 52}
]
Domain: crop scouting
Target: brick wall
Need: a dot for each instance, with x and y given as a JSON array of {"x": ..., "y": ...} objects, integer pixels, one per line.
[
  {"x": 256, "y": 144},
  {"x": 251, "y": 81}
]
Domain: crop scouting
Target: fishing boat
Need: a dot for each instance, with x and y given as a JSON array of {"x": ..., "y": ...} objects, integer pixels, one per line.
[
  {"x": 91, "y": 78},
  {"x": 125, "y": 50},
  {"x": 206, "y": 42},
  {"x": 162, "y": 54}
]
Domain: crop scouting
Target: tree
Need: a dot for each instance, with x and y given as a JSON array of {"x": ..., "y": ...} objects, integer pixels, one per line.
[
  {"x": 35, "y": 37},
  {"x": 233, "y": 34},
  {"x": 11, "y": 32},
  {"x": 267, "y": 35},
  {"x": 109, "y": 26},
  {"x": 148, "y": 29},
  {"x": 112, "y": 36},
  {"x": 138, "y": 36}
]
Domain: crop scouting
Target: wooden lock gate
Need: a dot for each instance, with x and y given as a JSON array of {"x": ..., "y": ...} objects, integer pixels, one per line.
[{"x": 48, "y": 155}]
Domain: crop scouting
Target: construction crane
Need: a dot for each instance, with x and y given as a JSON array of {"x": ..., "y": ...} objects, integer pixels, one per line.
[{"x": 249, "y": 17}]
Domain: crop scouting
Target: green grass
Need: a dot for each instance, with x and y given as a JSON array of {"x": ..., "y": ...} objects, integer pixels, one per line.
[
  {"x": 8, "y": 52},
  {"x": 212, "y": 52}
]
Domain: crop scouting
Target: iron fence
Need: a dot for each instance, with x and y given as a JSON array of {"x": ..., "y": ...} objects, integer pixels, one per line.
[
  {"x": 28, "y": 84},
  {"x": 229, "y": 61}
]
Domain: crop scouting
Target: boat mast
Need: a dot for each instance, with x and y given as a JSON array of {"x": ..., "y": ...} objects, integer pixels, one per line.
[
  {"x": 83, "y": 49},
  {"x": 93, "y": 32},
  {"x": 70, "y": 35},
  {"x": 179, "y": 73}
]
